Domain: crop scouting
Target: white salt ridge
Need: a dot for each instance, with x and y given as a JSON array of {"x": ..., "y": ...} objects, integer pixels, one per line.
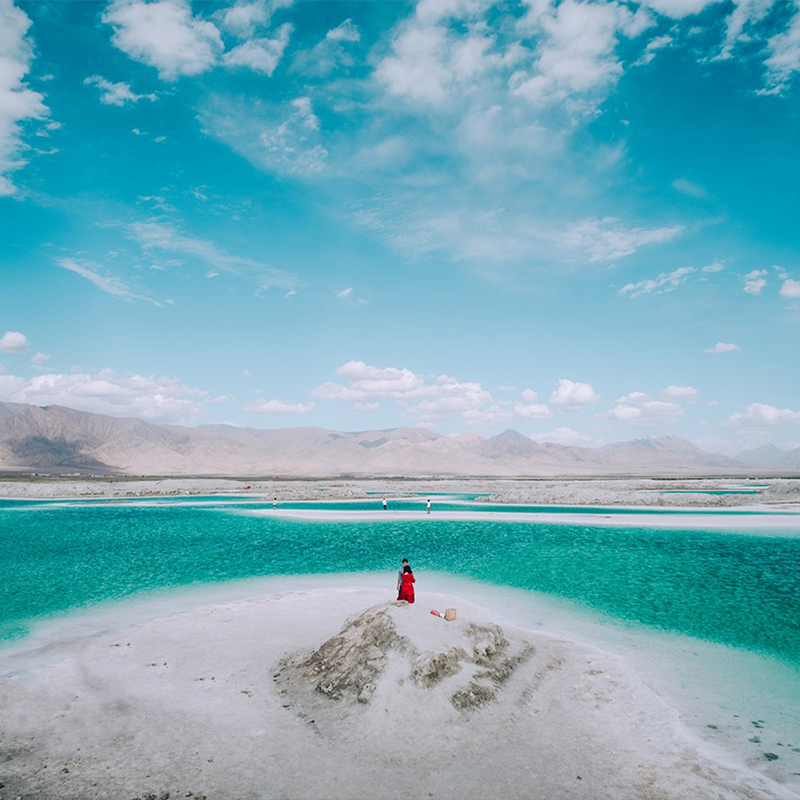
[{"x": 221, "y": 700}]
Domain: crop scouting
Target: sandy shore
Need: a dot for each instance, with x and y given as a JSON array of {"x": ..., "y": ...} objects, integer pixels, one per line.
[
  {"x": 332, "y": 692},
  {"x": 771, "y": 521}
]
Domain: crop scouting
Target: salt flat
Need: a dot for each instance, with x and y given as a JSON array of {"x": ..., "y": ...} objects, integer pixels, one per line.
[{"x": 336, "y": 692}]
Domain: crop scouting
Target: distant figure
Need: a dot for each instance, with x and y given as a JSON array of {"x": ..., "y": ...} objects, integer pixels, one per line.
[
  {"x": 274, "y": 502},
  {"x": 385, "y": 506},
  {"x": 428, "y": 505},
  {"x": 407, "y": 588}
]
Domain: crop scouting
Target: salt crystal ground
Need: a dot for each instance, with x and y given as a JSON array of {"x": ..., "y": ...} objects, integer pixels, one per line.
[{"x": 340, "y": 693}]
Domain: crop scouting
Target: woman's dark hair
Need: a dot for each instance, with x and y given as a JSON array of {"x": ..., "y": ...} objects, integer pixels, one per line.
[{"x": 406, "y": 568}]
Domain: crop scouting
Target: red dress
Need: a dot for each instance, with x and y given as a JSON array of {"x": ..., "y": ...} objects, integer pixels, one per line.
[{"x": 407, "y": 589}]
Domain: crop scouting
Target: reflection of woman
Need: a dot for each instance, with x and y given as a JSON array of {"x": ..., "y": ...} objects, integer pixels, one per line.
[{"x": 407, "y": 586}]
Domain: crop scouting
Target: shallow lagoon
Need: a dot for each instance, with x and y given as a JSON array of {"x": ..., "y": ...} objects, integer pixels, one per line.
[
  {"x": 711, "y": 618},
  {"x": 740, "y": 590}
]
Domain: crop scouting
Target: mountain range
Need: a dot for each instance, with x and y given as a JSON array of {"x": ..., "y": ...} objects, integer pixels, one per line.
[{"x": 59, "y": 440}]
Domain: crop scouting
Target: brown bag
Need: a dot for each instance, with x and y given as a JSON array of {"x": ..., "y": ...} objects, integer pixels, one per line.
[{"x": 450, "y": 614}]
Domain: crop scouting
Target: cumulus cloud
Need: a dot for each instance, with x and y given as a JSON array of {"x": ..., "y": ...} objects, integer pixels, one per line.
[
  {"x": 755, "y": 281},
  {"x": 242, "y": 18},
  {"x": 790, "y": 288},
  {"x": 158, "y": 399},
  {"x": 423, "y": 400},
  {"x": 673, "y": 392},
  {"x": 13, "y": 342},
  {"x": 165, "y": 35},
  {"x": 262, "y": 54},
  {"x": 278, "y": 407},
  {"x": 640, "y": 409},
  {"x": 18, "y": 102},
  {"x": 762, "y": 415},
  {"x": 39, "y": 358},
  {"x": 577, "y": 55},
  {"x": 665, "y": 282},
  {"x": 116, "y": 94},
  {"x": 428, "y": 61},
  {"x": 111, "y": 284},
  {"x": 722, "y": 347},
  {"x": 570, "y": 395}
]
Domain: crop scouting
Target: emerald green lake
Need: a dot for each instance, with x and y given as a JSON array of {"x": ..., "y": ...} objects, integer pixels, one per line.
[{"x": 736, "y": 589}]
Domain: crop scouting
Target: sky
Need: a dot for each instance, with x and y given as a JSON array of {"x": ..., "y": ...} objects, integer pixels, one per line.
[{"x": 575, "y": 219}]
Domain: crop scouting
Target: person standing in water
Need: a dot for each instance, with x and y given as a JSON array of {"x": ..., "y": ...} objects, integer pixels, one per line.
[
  {"x": 407, "y": 586},
  {"x": 385, "y": 506},
  {"x": 428, "y": 505}
]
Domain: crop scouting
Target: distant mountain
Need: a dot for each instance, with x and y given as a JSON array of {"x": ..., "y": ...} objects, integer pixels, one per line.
[
  {"x": 771, "y": 457},
  {"x": 54, "y": 439}
]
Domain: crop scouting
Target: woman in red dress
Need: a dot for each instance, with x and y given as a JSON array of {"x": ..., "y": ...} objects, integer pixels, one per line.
[{"x": 407, "y": 587}]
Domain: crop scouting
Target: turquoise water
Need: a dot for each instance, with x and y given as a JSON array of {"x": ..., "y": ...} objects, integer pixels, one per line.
[{"x": 737, "y": 589}]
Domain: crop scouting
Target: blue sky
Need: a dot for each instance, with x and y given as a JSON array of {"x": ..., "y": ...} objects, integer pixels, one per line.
[{"x": 576, "y": 219}]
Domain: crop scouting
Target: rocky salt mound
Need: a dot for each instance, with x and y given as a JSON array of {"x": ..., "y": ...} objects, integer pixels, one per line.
[{"x": 468, "y": 709}]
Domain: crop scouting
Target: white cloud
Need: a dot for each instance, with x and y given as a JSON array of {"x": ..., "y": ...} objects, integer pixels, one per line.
[
  {"x": 329, "y": 53},
  {"x": 367, "y": 383},
  {"x": 677, "y": 9},
  {"x": 165, "y": 35},
  {"x": 570, "y": 395},
  {"x": 641, "y": 410},
  {"x": 116, "y": 94},
  {"x": 685, "y": 186},
  {"x": 653, "y": 46},
  {"x": 107, "y": 283},
  {"x": 564, "y": 436},
  {"x": 714, "y": 266},
  {"x": 278, "y": 407},
  {"x": 722, "y": 347},
  {"x": 673, "y": 392},
  {"x": 608, "y": 238},
  {"x": 576, "y": 55},
  {"x": 743, "y": 14},
  {"x": 762, "y": 415},
  {"x": 13, "y": 342},
  {"x": 39, "y": 358},
  {"x": 784, "y": 59},
  {"x": 665, "y": 282},
  {"x": 755, "y": 281},
  {"x": 158, "y": 399},
  {"x": 18, "y": 103},
  {"x": 242, "y": 19},
  {"x": 424, "y": 401},
  {"x": 530, "y": 410},
  {"x": 262, "y": 54},
  {"x": 790, "y": 288},
  {"x": 345, "y": 292},
  {"x": 162, "y": 236}
]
